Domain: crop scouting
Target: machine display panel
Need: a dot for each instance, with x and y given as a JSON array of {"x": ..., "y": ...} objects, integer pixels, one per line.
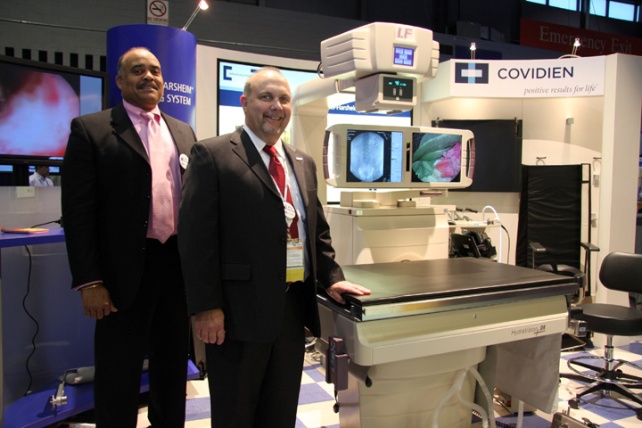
[
  {"x": 379, "y": 156},
  {"x": 374, "y": 156},
  {"x": 404, "y": 56},
  {"x": 436, "y": 157}
]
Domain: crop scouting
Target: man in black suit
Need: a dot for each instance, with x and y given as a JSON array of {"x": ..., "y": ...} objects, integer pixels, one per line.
[
  {"x": 250, "y": 283},
  {"x": 126, "y": 270}
]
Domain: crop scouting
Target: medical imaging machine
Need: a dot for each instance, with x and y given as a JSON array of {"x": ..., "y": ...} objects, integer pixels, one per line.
[{"x": 434, "y": 329}]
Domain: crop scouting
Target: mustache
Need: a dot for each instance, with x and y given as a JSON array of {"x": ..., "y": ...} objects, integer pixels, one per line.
[{"x": 145, "y": 85}]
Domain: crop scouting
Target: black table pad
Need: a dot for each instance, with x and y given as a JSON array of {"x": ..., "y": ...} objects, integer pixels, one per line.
[{"x": 443, "y": 278}]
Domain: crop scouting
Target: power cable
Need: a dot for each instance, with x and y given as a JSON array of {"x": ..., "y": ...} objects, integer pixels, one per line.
[
  {"x": 35, "y": 321},
  {"x": 24, "y": 307}
]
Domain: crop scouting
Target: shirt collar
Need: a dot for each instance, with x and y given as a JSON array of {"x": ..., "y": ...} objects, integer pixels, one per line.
[
  {"x": 259, "y": 143},
  {"x": 135, "y": 111}
]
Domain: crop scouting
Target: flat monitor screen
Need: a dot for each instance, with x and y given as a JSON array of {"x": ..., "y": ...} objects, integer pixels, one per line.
[
  {"x": 374, "y": 156},
  {"x": 231, "y": 80},
  {"x": 37, "y": 103},
  {"x": 436, "y": 157},
  {"x": 499, "y": 153}
]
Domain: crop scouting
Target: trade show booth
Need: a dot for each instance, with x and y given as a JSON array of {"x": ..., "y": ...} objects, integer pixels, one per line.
[{"x": 435, "y": 329}]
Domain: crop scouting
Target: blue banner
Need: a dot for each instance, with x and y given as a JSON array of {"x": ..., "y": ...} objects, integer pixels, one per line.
[{"x": 176, "y": 51}]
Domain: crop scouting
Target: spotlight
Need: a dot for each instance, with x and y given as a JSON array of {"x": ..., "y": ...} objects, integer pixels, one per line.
[
  {"x": 573, "y": 54},
  {"x": 202, "y": 5},
  {"x": 576, "y": 45}
]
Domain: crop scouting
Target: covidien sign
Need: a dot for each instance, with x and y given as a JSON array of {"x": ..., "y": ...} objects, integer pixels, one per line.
[{"x": 569, "y": 77}]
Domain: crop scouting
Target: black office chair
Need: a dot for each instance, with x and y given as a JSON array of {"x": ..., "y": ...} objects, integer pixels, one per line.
[
  {"x": 549, "y": 235},
  {"x": 622, "y": 272},
  {"x": 554, "y": 201}
]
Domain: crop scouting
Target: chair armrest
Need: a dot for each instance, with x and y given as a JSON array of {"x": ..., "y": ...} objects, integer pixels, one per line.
[
  {"x": 575, "y": 311},
  {"x": 537, "y": 247},
  {"x": 589, "y": 247}
]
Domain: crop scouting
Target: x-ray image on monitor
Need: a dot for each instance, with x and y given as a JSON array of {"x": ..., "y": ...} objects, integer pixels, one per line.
[
  {"x": 366, "y": 160},
  {"x": 374, "y": 156},
  {"x": 436, "y": 157}
]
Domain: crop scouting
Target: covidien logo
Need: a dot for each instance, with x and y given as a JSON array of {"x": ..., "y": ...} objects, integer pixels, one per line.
[
  {"x": 471, "y": 72},
  {"x": 230, "y": 73},
  {"x": 226, "y": 72}
]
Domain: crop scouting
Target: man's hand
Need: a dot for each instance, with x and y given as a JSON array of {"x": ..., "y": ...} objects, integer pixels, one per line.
[
  {"x": 210, "y": 326},
  {"x": 96, "y": 302},
  {"x": 337, "y": 289}
]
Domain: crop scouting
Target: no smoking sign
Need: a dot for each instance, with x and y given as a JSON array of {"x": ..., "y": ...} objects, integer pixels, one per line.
[{"x": 158, "y": 12}]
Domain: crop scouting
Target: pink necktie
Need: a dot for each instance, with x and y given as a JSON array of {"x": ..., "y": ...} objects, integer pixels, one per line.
[
  {"x": 161, "y": 225},
  {"x": 278, "y": 174}
]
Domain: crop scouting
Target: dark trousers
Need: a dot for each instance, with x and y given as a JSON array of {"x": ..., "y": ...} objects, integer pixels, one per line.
[
  {"x": 156, "y": 326},
  {"x": 256, "y": 385}
]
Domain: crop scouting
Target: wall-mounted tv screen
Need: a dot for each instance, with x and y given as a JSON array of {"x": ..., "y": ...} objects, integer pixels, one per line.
[
  {"x": 231, "y": 80},
  {"x": 498, "y": 155},
  {"x": 37, "y": 103}
]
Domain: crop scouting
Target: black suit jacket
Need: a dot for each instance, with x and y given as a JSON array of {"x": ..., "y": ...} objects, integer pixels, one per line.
[
  {"x": 232, "y": 237},
  {"x": 106, "y": 196}
]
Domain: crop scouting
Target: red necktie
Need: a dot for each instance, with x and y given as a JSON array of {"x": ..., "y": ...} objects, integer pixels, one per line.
[
  {"x": 162, "y": 213},
  {"x": 278, "y": 174}
]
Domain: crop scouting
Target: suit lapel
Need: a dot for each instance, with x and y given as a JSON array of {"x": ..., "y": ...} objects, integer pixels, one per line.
[
  {"x": 246, "y": 150},
  {"x": 124, "y": 128},
  {"x": 183, "y": 142},
  {"x": 298, "y": 167}
]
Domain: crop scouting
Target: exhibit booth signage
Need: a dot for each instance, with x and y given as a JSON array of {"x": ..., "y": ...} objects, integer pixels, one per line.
[{"x": 568, "y": 77}]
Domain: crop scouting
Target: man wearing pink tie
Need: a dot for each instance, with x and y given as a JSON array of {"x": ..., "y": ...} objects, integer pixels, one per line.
[{"x": 121, "y": 188}]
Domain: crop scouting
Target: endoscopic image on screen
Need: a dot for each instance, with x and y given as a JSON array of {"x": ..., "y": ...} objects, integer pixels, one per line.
[
  {"x": 436, "y": 157},
  {"x": 36, "y": 109},
  {"x": 37, "y": 103}
]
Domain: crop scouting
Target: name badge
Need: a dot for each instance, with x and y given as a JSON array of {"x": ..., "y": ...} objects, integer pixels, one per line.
[
  {"x": 290, "y": 213},
  {"x": 295, "y": 269}
]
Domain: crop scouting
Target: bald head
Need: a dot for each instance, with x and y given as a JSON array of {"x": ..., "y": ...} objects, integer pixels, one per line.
[{"x": 266, "y": 102}]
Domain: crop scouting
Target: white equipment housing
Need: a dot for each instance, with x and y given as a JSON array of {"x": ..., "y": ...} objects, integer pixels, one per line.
[
  {"x": 381, "y": 48},
  {"x": 385, "y": 61}
]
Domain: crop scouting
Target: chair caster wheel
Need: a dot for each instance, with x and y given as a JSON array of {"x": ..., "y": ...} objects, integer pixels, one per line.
[
  {"x": 335, "y": 408},
  {"x": 574, "y": 403}
]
